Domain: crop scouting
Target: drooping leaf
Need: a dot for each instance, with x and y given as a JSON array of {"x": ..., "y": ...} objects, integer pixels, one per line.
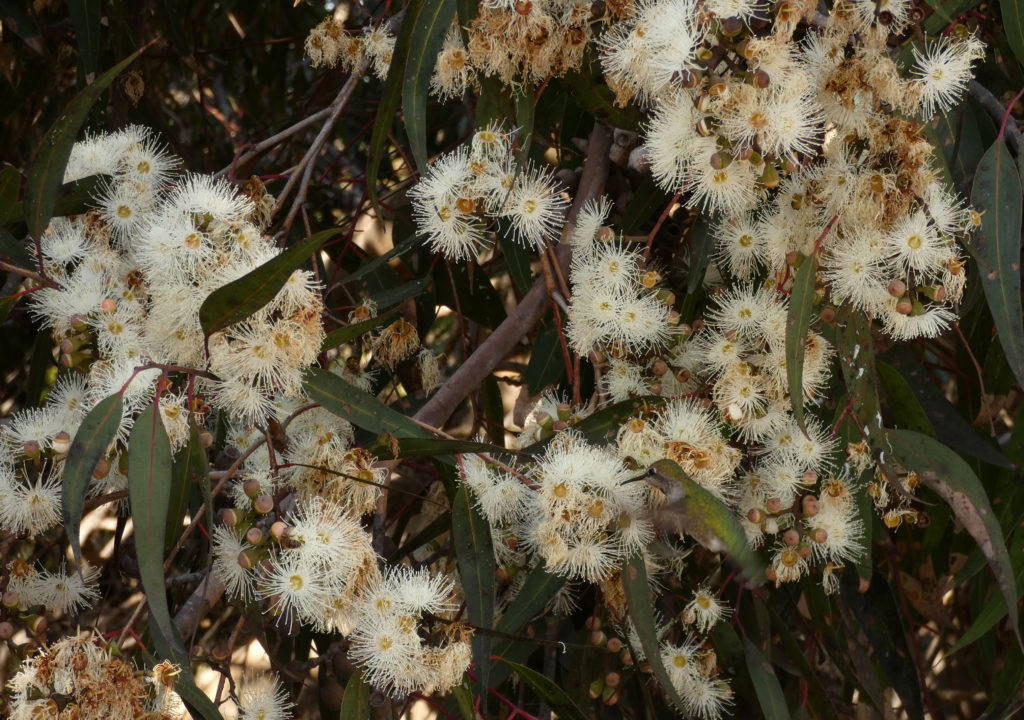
[
  {"x": 190, "y": 466},
  {"x": 798, "y": 322},
  {"x": 1013, "y": 26},
  {"x": 950, "y": 428},
  {"x": 240, "y": 298},
  {"x": 995, "y": 608},
  {"x": 10, "y": 183},
  {"x": 638, "y": 600},
  {"x": 770, "y": 697},
  {"x": 358, "y": 407},
  {"x": 518, "y": 259},
  {"x": 393, "y": 295},
  {"x": 355, "y": 330},
  {"x": 465, "y": 287},
  {"x": 149, "y": 491},
  {"x": 876, "y": 613},
  {"x": 997, "y": 190},
  {"x": 952, "y": 479},
  {"x": 534, "y": 596},
  {"x": 548, "y": 691},
  {"x": 547, "y": 363},
  {"x": 471, "y": 537},
  {"x": 95, "y": 433},
  {"x": 86, "y": 16},
  {"x": 355, "y": 703},
  {"x": 702, "y": 245},
  {"x": 365, "y": 268},
  {"x": 903, "y": 405},
  {"x": 390, "y": 99},
  {"x": 14, "y": 250},
  {"x": 429, "y": 28},
  {"x": 47, "y": 171}
]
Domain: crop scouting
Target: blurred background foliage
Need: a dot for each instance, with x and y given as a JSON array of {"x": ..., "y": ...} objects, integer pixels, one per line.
[{"x": 226, "y": 75}]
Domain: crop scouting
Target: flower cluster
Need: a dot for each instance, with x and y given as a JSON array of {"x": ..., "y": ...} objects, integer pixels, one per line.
[
  {"x": 79, "y": 677},
  {"x": 804, "y": 146},
  {"x": 318, "y": 568},
  {"x": 60, "y": 591},
  {"x": 330, "y": 45},
  {"x": 464, "y": 190}
]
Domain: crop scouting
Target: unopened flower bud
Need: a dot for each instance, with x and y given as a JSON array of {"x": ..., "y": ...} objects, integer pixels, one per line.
[
  {"x": 31, "y": 449},
  {"x": 598, "y": 637},
  {"x": 596, "y": 688},
  {"x": 610, "y": 696},
  {"x": 755, "y": 516},
  {"x": 773, "y": 505},
  {"x": 279, "y": 530},
  {"x": 61, "y": 443},
  {"x": 761, "y": 80},
  {"x": 612, "y": 679},
  {"x": 820, "y": 535},
  {"x": 251, "y": 486},
  {"x": 253, "y": 536},
  {"x": 230, "y": 517},
  {"x": 810, "y": 505},
  {"x": 904, "y": 307},
  {"x": 102, "y": 469},
  {"x": 897, "y": 288},
  {"x": 791, "y": 537},
  {"x": 263, "y": 504},
  {"x": 11, "y": 599},
  {"x": 6, "y": 630},
  {"x": 614, "y": 644},
  {"x": 827, "y": 315},
  {"x": 564, "y": 412},
  {"x": 108, "y": 305},
  {"x": 810, "y": 477}
]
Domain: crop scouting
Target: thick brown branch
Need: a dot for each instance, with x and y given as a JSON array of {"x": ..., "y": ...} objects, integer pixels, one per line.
[
  {"x": 528, "y": 313},
  {"x": 996, "y": 110}
]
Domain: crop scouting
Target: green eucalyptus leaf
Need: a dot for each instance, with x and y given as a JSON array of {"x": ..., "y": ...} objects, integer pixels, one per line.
[
  {"x": 94, "y": 436},
  {"x": 429, "y": 28},
  {"x": 240, "y": 298},
  {"x": 149, "y": 491},
  {"x": 770, "y": 697},
  {"x": 798, "y": 322},
  {"x": 954, "y": 481},
  {"x": 997, "y": 190},
  {"x": 471, "y": 536},
  {"x": 47, "y": 171},
  {"x": 548, "y": 691}
]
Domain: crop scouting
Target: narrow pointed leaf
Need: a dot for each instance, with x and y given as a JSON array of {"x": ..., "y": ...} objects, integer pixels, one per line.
[
  {"x": 547, "y": 363},
  {"x": 355, "y": 330},
  {"x": 47, "y": 172},
  {"x": 429, "y": 29},
  {"x": 355, "y": 703},
  {"x": 702, "y": 246},
  {"x": 997, "y": 190},
  {"x": 359, "y": 408},
  {"x": 471, "y": 536},
  {"x": 242, "y": 297},
  {"x": 638, "y": 599},
  {"x": 149, "y": 490},
  {"x": 390, "y": 99},
  {"x": 770, "y": 697},
  {"x": 95, "y": 433},
  {"x": 903, "y": 405},
  {"x": 10, "y": 183},
  {"x": 85, "y": 16},
  {"x": 534, "y": 596},
  {"x": 798, "y": 322},
  {"x": 1013, "y": 25},
  {"x": 952, "y": 479},
  {"x": 548, "y": 691}
]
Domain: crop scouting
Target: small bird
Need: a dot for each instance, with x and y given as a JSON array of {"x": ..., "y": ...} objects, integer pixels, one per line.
[{"x": 691, "y": 509}]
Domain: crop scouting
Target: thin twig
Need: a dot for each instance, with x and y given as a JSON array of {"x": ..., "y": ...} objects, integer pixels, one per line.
[
  {"x": 273, "y": 140},
  {"x": 307, "y": 163}
]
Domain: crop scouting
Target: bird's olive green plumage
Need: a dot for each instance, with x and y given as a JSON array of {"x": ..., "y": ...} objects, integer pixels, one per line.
[{"x": 691, "y": 509}]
